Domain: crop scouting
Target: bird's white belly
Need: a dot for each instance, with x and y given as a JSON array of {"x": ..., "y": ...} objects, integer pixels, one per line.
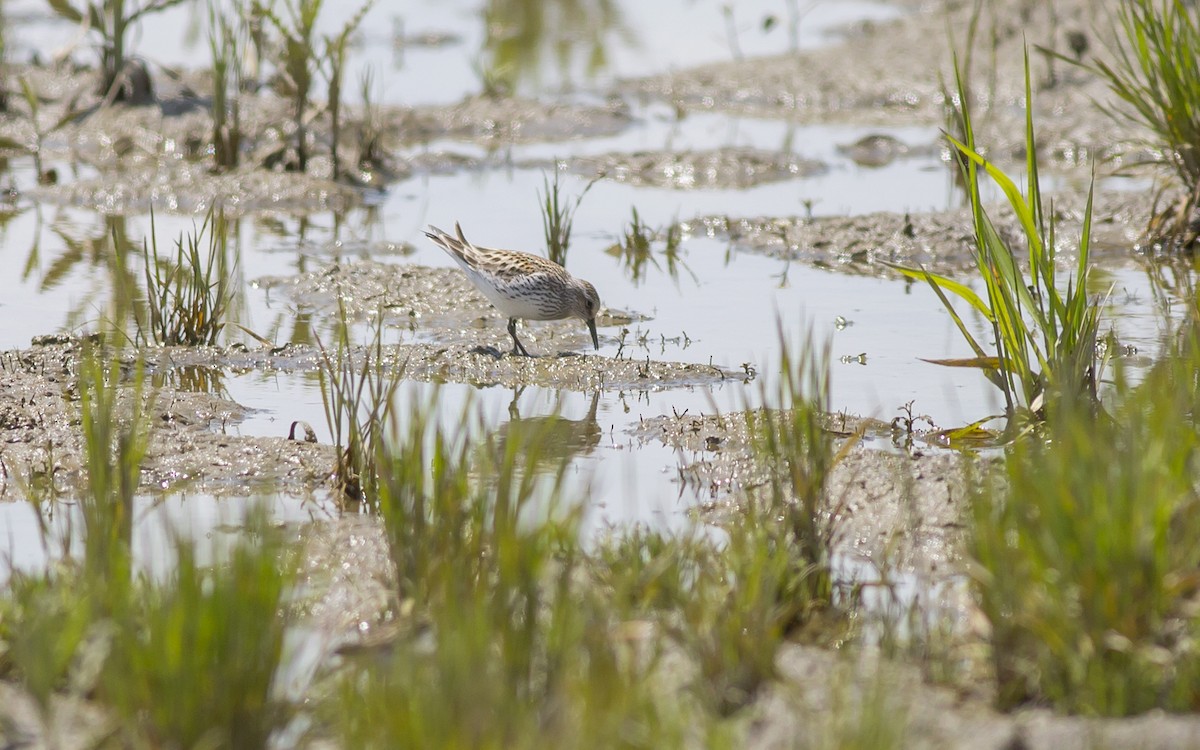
[
  {"x": 508, "y": 299},
  {"x": 514, "y": 307}
]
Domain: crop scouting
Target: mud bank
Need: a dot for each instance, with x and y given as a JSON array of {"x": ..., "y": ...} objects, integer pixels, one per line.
[{"x": 193, "y": 442}]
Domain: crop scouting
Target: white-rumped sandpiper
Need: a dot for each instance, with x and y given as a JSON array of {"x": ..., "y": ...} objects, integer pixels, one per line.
[{"x": 522, "y": 285}]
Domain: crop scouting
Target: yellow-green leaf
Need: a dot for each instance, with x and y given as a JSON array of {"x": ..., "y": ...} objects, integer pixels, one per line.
[{"x": 983, "y": 363}]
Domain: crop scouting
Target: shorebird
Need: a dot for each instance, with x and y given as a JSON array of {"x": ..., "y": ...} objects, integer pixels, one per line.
[{"x": 522, "y": 285}]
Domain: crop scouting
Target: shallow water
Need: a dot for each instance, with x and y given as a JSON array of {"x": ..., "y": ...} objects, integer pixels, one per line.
[
  {"x": 402, "y": 41},
  {"x": 215, "y": 523}
]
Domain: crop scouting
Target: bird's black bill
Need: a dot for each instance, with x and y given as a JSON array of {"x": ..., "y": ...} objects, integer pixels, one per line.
[{"x": 592, "y": 327}]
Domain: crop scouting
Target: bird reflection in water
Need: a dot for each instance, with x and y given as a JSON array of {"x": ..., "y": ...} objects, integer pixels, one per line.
[{"x": 551, "y": 440}]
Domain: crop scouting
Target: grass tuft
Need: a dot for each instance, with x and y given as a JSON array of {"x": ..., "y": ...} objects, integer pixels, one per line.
[
  {"x": 792, "y": 442},
  {"x": 558, "y": 217},
  {"x": 336, "y": 48},
  {"x": 46, "y": 618},
  {"x": 1045, "y": 335},
  {"x": 496, "y": 648},
  {"x": 1086, "y": 552},
  {"x": 43, "y": 624},
  {"x": 112, "y": 20},
  {"x": 369, "y": 128},
  {"x": 195, "y": 659},
  {"x": 356, "y": 391},
  {"x": 226, "y": 42},
  {"x": 635, "y": 249},
  {"x": 774, "y": 576},
  {"x": 1154, "y": 72},
  {"x": 297, "y": 63},
  {"x": 40, "y": 131},
  {"x": 189, "y": 296},
  {"x": 115, "y": 436}
]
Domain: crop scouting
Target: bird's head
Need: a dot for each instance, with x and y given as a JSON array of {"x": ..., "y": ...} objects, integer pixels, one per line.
[{"x": 588, "y": 304}]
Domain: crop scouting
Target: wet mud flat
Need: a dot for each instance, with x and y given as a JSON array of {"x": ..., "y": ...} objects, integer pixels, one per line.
[
  {"x": 193, "y": 444},
  {"x": 941, "y": 242}
]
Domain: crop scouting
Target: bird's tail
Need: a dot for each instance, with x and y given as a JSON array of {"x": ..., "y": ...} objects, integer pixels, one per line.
[{"x": 457, "y": 247}]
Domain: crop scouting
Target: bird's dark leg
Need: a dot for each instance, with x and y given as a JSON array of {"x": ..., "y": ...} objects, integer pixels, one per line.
[{"x": 512, "y": 331}]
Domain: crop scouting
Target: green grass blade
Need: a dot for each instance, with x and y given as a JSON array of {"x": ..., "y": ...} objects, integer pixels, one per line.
[
  {"x": 1019, "y": 205},
  {"x": 963, "y": 291},
  {"x": 992, "y": 375}
]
